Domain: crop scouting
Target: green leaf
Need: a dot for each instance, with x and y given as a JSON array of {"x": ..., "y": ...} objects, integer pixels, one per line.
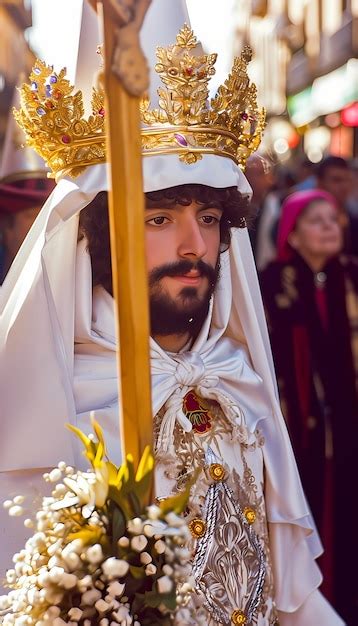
[
  {"x": 137, "y": 572},
  {"x": 118, "y": 524}
]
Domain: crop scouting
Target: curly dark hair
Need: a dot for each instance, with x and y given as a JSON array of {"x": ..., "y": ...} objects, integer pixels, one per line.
[{"x": 94, "y": 220}]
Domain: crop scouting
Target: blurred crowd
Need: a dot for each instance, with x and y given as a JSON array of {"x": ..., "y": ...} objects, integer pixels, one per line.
[
  {"x": 304, "y": 236},
  {"x": 305, "y": 241}
]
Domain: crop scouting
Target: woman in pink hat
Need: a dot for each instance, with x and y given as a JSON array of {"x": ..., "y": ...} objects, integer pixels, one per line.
[{"x": 310, "y": 294}]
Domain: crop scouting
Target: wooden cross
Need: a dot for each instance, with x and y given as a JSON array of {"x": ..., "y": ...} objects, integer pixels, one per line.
[{"x": 125, "y": 79}]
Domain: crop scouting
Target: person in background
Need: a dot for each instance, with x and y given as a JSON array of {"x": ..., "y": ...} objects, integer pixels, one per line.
[
  {"x": 20, "y": 203},
  {"x": 335, "y": 175},
  {"x": 265, "y": 206},
  {"x": 310, "y": 296}
]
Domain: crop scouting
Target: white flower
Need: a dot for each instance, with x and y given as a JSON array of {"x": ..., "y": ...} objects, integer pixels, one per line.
[
  {"x": 138, "y": 543},
  {"x": 135, "y": 526},
  {"x": 23, "y": 620},
  {"x": 102, "y": 606},
  {"x": 69, "y": 581},
  {"x": 115, "y": 568},
  {"x": 52, "y": 612},
  {"x": 123, "y": 616},
  {"x": 4, "y": 603},
  {"x": 168, "y": 570},
  {"x": 150, "y": 570},
  {"x": 165, "y": 584},
  {"x": 15, "y": 511},
  {"x": 75, "y": 546},
  {"x": 28, "y": 523},
  {"x": 159, "y": 546},
  {"x": 55, "y": 475},
  {"x": 58, "y": 621},
  {"x": 56, "y": 573},
  {"x": 90, "y": 597},
  {"x": 94, "y": 554},
  {"x": 115, "y": 589},
  {"x": 123, "y": 542},
  {"x": 19, "y": 500},
  {"x": 145, "y": 558},
  {"x": 153, "y": 512}
]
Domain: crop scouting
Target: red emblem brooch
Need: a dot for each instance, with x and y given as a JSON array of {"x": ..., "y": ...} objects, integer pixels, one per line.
[{"x": 197, "y": 411}]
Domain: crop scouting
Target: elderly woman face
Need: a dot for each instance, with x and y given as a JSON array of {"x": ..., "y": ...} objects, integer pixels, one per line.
[{"x": 317, "y": 232}]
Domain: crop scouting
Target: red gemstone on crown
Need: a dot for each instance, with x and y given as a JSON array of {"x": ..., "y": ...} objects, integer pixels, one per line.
[
  {"x": 244, "y": 116},
  {"x": 66, "y": 139},
  {"x": 49, "y": 104},
  {"x": 189, "y": 71},
  {"x": 101, "y": 112}
]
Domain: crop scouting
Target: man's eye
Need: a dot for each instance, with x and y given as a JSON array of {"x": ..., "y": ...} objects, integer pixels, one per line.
[
  {"x": 210, "y": 219},
  {"x": 157, "y": 221}
]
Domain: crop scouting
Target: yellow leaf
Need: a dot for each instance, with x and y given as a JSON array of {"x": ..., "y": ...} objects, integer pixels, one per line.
[
  {"x": 89, "y": 535},
  {"x": 99, "y": 434},
  {"x": 146, "y": 464},
  {"x": 89, "y": 445},
  {"x": 112, "y": 474}
]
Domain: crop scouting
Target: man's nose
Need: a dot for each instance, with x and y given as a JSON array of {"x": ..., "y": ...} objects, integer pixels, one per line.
[{"x": 190, "y": 241}]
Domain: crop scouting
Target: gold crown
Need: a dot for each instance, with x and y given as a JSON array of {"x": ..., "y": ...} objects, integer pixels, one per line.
[{"x": 52, "y": 116}]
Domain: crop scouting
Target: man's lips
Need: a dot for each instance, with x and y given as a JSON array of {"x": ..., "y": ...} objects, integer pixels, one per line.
[{"x": 190, "y": 278}]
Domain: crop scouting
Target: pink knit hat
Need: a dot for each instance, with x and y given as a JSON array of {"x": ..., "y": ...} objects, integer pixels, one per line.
[{"x": 291, "y": 210}]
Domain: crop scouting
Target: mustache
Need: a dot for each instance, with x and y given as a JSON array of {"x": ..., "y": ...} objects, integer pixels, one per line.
[{"x": 182, "y": 267}]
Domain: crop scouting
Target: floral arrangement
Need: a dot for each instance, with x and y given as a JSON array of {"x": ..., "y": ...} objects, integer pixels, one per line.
[{"x": 100, "y": 554}]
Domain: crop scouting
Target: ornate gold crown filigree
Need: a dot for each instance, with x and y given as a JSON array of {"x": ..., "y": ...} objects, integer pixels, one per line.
[{"x": 184, "y": 124}]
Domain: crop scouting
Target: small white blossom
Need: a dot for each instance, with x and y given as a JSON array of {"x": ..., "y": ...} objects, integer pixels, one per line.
[
  {"x": 16, "y": 510},
  {"x": 159, "y": 546},
  {"x": 94, "y": 554},
  {"x": 139, "y": 542},
  {"x": 28, "y": 523},
  {"x": 55, "y": 475},
  {"x": 150, "y": 569},
  {"x": 123, "y": 542},
  {"x": 115, "y": 568},
  {"x": 135, "y": 526},
  {"x": 145, "y": 558},
  {"x": 90, "y": 597},
  {"x": 115, "y": 589},
  {"x": 19, "y": 500},
  {"x": 153, "y": 512},
  {"x": 165, "y": 584}
]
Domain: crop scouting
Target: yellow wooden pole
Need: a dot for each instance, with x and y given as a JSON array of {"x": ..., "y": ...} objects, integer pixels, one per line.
[{"x": 126, "y": 212}]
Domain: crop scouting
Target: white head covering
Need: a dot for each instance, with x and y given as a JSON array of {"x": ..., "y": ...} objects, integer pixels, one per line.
[{"x": 47, "y": 299}]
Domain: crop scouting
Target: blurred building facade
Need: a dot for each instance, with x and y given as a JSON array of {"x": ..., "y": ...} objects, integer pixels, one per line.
[
  {"x": 15, "y": 55},
  {"x": 306, "y": 69}
]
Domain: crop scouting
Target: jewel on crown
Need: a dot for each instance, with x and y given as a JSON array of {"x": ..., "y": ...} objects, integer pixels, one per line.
[{"x": 185, "y": 123}]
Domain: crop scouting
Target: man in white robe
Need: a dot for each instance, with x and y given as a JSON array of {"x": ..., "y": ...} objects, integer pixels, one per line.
[{"x": 215, "y": 403}]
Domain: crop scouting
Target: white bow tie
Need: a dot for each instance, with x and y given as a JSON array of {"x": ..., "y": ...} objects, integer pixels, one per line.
[{"x": 222, "y": 373}]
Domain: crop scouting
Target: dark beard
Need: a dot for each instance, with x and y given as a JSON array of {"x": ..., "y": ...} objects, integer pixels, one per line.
[{"x": 188, "y": 312}]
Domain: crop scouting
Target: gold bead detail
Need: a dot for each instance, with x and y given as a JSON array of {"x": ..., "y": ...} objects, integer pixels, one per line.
[
  {"x": 217, "y": 472},
  {"x": 250, "y": 514},
  {"x": 197, "y": 527},
  {"x": 238, "y": 617}
]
